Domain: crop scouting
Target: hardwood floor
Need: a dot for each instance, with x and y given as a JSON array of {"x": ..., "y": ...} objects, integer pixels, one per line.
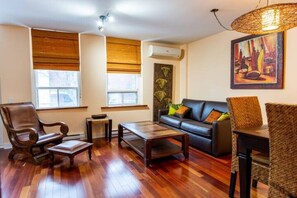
[{"x": 119, "y": 172}]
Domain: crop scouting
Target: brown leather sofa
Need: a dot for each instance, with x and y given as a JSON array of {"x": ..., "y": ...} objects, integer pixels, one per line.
[{"x": 212, "y": 138}]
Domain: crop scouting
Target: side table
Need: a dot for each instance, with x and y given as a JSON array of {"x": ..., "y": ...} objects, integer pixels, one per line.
[{"x": 107, "y": 123}]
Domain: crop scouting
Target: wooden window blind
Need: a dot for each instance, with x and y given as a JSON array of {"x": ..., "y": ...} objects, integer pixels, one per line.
[
  {"x": 123, "y": 55},
  {"x": 55, "y": 50}
]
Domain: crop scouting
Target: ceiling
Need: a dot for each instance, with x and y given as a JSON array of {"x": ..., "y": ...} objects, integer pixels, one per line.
[{"x": 167, "y": 21}]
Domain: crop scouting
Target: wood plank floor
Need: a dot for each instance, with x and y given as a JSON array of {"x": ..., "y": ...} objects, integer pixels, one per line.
[{"x": 117, "y": 171}]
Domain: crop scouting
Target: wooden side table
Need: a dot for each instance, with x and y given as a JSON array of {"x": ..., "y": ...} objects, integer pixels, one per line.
[{"x": 107, "y": 123}]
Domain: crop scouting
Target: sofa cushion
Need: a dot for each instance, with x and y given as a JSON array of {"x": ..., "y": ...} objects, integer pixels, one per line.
[
  {"x": 173, "y": 108},
  {"x": 196, "y": 108},
  {"x": 198, "y": 128},
  {"x": 213, "y": 116},
  {"x": 171, "y": 120},
  {"x": 210, "y": 105},
  {"x": 182, "y": 111},
  {"x": 224, "y": 116}
]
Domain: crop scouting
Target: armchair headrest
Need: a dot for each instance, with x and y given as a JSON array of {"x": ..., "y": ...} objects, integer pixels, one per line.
[{"x": 20, "y": 115}]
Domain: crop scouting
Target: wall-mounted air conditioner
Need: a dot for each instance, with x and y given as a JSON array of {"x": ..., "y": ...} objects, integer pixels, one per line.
[{"x": 165, "y": 52}]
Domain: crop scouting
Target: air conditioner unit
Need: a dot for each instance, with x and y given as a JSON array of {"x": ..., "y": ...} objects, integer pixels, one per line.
[{"x": 164, "y": 52}]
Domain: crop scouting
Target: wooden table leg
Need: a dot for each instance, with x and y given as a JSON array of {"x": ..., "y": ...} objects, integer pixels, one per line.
[
  {"x": 52, "y": 158},
  {"x": 90, "y": 152},
  {"x": 120, "y": 133},
  {"x": 185, "y": 145},
  {"x": 147, "y": 152},
  {"x": 245, "y": 166},
  {"x": 71, "y": 160},
  {"x": 106, "y": 130},
  {"x": 109, "y": 129},
  {"x": 89, "y": 130}
]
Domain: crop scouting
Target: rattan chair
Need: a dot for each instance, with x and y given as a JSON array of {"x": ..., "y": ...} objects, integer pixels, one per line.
[
  {"x": 245, "y": 112},
  {"x": 282, "y": 124}
]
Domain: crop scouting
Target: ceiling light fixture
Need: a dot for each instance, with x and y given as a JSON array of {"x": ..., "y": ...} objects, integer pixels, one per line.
[
  {"x": 103, "y": 19},
  {"x": 271, "y": 18}
]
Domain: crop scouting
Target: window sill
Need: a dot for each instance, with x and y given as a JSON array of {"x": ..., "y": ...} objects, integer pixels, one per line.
[
  {"x": 61, "y": 108},
  {"x": 125, "y": 108}
]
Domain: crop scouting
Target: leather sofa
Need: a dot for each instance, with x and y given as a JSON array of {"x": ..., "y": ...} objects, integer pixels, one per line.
[{"x": 214, "y": 138}]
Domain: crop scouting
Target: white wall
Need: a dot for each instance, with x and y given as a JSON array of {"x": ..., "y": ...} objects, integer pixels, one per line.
[
  {"x": 16, "y": 80},
  {"x": 209, "y": 71},
  {"x": 148, "y": 74},
  {"x": 1, "y": 124},
  {"x": 15, "y": 64},
  {"x": 182, "y": 75},
  {"x": 15, "y": 72}
]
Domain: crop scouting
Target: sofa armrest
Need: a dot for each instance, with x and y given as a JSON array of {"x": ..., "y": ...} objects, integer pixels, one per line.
[
  {"x": 222, "y": 137},
  {"x": 162, "y": 112}
]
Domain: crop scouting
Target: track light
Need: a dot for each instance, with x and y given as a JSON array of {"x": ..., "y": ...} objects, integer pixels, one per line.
[{"x": 103, "y": 19}]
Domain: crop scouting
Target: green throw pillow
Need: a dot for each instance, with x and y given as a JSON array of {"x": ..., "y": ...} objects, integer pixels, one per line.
[
  {"x": 224, "y": 116},
  {"x": 173, "y": 108}
]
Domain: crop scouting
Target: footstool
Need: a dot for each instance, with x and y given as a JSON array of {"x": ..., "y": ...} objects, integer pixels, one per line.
[{"x": 70, "y": 149}]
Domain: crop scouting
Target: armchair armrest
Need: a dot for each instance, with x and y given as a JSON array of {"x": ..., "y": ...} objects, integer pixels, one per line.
[
  {"x": 63, "y": 127},
  {"x": 162, "y": 112},
  {"x": 222, "y": 137},
  {"x": 33, "y": 136}
]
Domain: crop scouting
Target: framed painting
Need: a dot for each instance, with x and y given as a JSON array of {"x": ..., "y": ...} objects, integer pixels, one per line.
[
  {"x": 163, "y": 83},
  {"x": 257, "y": 62}
]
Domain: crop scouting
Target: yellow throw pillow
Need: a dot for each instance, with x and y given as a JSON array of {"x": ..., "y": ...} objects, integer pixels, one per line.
[
  {"x": 213, "y": 116},
  {"x": 173, "y": 108},
  {"x": 224, "y": 116}
]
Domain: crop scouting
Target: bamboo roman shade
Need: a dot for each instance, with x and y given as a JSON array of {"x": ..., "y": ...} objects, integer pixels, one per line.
[
  {"x": 55, "y": 50},
  {"x": 123, "y": 55}
]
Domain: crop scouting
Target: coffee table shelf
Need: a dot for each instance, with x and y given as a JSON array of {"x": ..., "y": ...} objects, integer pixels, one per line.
[
  {"x": 150, "y": 140},
  {"x": 160, "y": 148}
]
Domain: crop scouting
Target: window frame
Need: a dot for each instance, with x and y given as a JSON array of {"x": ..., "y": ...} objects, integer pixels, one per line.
[
  {"x": 122, "y": 92},
  {"x": 36, "y": 88}
]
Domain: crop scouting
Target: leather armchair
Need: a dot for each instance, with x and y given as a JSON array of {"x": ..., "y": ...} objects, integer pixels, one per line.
[{"x": 26, "y": 131}]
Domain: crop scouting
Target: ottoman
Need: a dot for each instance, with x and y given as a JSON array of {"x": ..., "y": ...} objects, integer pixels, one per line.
[{"x": 70, "y": 149}]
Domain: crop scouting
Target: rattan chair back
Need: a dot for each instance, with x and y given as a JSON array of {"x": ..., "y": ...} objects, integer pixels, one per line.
[
  {"x": 282, "y": 123},
  {"x": 245, "y": 112}
]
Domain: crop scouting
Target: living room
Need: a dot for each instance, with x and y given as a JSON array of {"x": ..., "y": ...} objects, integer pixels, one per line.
[{"x": 203, "y": 74}]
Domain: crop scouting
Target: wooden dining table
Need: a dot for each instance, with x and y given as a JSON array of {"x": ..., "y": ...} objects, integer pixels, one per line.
[{"x": 249, "y": 139}]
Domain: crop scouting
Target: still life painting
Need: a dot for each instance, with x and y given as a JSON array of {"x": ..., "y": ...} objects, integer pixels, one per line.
[{"x": 257, "y": 62}]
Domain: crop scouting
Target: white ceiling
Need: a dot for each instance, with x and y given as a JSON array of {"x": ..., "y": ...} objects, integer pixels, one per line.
[{"x": 168, "y": 21}]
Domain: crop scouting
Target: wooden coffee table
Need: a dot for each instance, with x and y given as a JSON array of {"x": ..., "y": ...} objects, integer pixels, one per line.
[{"x": 149, "y": 140}]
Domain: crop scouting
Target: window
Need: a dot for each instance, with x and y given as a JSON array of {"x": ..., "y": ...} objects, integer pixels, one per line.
[
  {"x": 56, "y": 88},
  {"x": 122, "y": 89},
  {"x": 123, "y": 71}
]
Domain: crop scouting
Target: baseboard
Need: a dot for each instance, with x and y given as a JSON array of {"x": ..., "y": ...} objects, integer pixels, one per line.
[
  {"x": 6, "y": 146},
  {"x": 80, "y": 136},
  {"x": 74, "y": 137}
]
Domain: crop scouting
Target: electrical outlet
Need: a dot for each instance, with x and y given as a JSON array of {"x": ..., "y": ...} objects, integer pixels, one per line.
[{"x": 10, "y": 100}]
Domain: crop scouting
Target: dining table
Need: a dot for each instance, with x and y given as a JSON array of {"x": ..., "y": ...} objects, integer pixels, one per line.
[{"x": 249, "y": 139}]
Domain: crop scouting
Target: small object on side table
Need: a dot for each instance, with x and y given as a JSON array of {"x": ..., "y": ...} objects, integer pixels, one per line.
[
  {"x": 99, "y": 116},
  {"x": 70, "y": 149},
  {"x": 108, "y": 127}
]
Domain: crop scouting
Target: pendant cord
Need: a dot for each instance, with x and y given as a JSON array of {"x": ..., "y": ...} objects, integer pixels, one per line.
[
  {"x": 259, "y": 3},
  {"x": 214, "y": 13}
]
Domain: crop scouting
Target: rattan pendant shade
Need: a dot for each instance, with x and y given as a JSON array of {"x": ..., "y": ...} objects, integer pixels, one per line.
[{"x": 272, "y": 18}]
